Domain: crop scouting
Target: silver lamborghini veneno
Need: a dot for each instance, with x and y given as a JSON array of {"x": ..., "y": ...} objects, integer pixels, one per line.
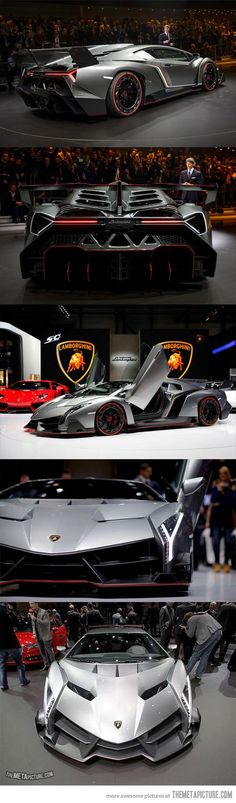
[
  {"x": 152, "y": 401},
  {"x": 117, "y": 694},
  {"x": 116, "y": 79},
  {"x": 118, "y": 235},
  {"x": 94, "y": 535}
]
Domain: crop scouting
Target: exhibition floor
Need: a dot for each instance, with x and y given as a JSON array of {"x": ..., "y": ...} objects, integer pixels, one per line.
[
  {"x": 203, "y": 119},
  {"x": 192, "y": 442},
  {"x": 210, "y": 758},
  {"x": 216, "y": 290}
]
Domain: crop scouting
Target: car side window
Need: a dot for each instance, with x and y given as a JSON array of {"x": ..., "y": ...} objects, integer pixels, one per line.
[{"x": 169, "y": 54}]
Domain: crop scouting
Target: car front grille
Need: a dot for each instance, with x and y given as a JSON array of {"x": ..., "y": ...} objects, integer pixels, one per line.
[
  {"x": 90, "y": 745},
  {"x": 49, "y": 424},
  {"x": 138, "y": 562}
]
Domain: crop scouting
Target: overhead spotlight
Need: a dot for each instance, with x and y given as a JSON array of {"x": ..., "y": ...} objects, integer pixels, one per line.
[
  {"x": 64, "y": 311},
  {"x": 200, "y": 339}
]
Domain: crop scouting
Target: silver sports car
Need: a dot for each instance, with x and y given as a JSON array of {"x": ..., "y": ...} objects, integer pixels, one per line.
[
  {"x": 152, "y": 401},
  {"x": 96, "y": 534},
  {"x": 114, "y": 79},
  {"x": 117, "y": 694},
  {"x": 110, "y": 235}
]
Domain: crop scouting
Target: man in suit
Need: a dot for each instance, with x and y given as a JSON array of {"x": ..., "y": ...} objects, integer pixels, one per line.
[
  {"x": 164, "y": 38},
  {"x": 41, "y": 629},
  {"x": 191, "y": 177}
]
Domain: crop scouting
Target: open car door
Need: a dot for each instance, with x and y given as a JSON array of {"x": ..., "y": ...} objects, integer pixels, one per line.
[
  {"x": 149, "y": 378},
  {"x": 194, "y": 486}
]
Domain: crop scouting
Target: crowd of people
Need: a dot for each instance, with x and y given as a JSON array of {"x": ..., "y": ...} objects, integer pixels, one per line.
[
  {"x": 198, "y": 633},
  {"x": 102, "y": 166},
  {"x": 211, "y": 34}
]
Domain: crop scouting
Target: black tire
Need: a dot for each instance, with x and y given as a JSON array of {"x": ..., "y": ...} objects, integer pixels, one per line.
[
  {"x": 209, "y": 76},
  {"x": 125, "y": 95},
  {"x": 208, "y": 411},
  {"x": 110, "y": 419}
]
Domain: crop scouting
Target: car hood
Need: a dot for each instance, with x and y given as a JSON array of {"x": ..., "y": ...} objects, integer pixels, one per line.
[
  {"x": 24, "y": 395},
  {"x": 26, "y": 637},
  {"x": 77, "y": 525},
  {"x": 117, "y": 690},
  {"x": 62, "y": 405}
]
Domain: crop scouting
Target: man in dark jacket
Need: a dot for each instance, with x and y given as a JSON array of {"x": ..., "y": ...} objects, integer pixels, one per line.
[
  {"x": 9, "y": 648},
  {"x": 166, "y": 621},
  {"x": 94, "y": 617},
  {"x": 227, "y": 619},
  {"x": 191, "y": 177},
  {"x": 164, "y": 38}
]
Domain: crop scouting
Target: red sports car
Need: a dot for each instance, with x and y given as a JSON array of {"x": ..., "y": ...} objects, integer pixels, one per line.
[
  {"x": 29, "y": 394},
  {"x": 30, "y": 651}
]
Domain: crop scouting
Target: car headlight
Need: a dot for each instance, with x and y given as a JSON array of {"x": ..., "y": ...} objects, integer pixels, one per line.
[
  {"x": 168, "y": 531},
  {"x": 49, "y": 701},
  {"x": 186, "y": 700}
]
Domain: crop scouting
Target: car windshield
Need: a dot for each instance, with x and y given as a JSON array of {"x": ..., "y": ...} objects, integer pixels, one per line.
[
  {"x": 29, "y": 386},
  {"x": 81, "y": 489},
  {"x": 126, "y": 647},
  {"x": 104, "y": 389}
]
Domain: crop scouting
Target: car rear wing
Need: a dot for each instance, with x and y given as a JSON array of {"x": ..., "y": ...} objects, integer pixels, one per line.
[
  {"x": 208, "y": 191},
  {"x": 120, "y": 195},
  {"x": 41, "y": 57}
]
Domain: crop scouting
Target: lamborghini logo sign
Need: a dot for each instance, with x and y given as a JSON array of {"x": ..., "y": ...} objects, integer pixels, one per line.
[
  {"x": 75, "y": 358},
  {"x": 179, "y": 357},
  {"x": 54, "y": 538},
  {"x": 117, "y": 723}
]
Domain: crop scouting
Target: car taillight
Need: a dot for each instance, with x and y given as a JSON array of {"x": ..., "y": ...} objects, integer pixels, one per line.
[
  {"x": 154, "y": 220},
  {"x": 67, "y": 74},
  {"x": 76, "y": 221}
]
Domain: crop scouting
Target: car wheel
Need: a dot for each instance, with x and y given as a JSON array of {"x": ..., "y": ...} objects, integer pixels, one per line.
[
  {"x": 125, "y": 95},
  {"x": 209, "y": 76},
  {"x": 208, "y": 411},
  {"x": 110, "y": 419}
]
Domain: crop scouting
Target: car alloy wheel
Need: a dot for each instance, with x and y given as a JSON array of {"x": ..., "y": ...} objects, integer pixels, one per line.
[
  {"x": 110, "y": 419},
  {"x": 208, "y": 411},
  {"x": 125, "y": 94},
  {"x": 209, "y": 76}
]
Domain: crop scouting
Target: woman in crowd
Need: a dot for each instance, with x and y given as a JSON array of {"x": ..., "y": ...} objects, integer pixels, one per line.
[{"x": 220, "y": 516}]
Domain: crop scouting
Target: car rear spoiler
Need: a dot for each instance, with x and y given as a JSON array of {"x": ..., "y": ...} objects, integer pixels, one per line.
[
  {"x": 208, "y": 190},
  {"x": 29, "y": 192},
  {"x": 80, "y": 56}
]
